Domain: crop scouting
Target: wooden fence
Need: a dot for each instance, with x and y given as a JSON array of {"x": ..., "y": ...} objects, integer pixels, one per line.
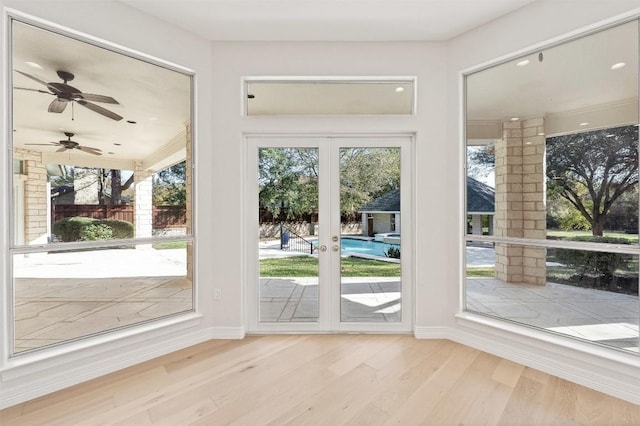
[{"x": 163, "y": 216}]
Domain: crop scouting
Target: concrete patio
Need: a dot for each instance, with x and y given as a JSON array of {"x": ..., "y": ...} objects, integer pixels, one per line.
[{"x": 65, "y": 296}]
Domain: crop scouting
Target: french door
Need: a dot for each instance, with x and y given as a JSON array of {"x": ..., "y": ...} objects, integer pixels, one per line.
[{"x": 330, "y": 241}]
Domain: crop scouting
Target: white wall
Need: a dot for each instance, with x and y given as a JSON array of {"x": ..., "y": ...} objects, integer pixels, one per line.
[
  {"x": 29, "y": 376},
  {"x": 539, "y": 22},
  {"x": 234, "y": 60}
]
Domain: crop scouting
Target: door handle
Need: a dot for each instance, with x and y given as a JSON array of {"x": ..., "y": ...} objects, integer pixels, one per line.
[
  {"x": 323, "y": 248},
  {"x": 335, "y": 247}
]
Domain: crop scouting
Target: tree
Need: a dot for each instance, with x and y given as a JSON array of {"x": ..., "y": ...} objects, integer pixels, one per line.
[
  {"x": 480, "y": 161},
  {"x": 592, "y": 170},
  {"x": 170, "y": 186},
  {"x": 288, "y": 181},
  {"x": 110, "y": 186},
  {"x": 365, "y": 174}
]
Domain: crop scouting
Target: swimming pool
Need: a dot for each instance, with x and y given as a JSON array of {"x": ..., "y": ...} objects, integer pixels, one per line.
[{"x": 371, "y": 248}]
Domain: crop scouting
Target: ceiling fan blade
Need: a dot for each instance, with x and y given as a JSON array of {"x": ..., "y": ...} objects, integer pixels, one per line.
[
  {"x": 100, "y": 110},
  {"x": 42, "y": 144},
  {"x": 95, "y": 98},
  {"x": 89, "y": 150},
  {"x": 57, "y": 106},
  {"x": 33, "y": 90},
  {"x": 32, "y": 77},
  {"x": 61, "y": 149}
]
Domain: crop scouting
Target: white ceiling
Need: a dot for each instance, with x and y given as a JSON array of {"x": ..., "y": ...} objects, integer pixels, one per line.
[{"x": 327, "y": 20}]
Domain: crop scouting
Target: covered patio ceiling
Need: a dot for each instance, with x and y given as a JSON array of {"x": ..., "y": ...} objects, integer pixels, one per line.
[{"x": 154, "y": 103}]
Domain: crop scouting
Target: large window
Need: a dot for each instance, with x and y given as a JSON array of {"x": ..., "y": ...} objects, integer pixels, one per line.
[
  {"x": 552, "y": 189},
  {"x": 101, "y": 225}
]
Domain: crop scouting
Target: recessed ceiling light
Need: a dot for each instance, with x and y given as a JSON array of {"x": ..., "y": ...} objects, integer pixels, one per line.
[
  {"x": 514, "y": 118},
  {"x": 541, "y": 134},
  {"x": 34, "y": 65},
  {"x": 584, "y": 123},
  {"x": 110, "y": 152},
  {"x": 618, "y": 65},
  {"x": 131, "y": 122},
  {"x": 117, "y": 144},
  {"x": 523, "y": 63},
  {"x": 399, "y": 89}
]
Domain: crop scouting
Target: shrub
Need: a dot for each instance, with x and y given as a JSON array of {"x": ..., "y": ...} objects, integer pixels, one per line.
[
  {"x": 600, "y": 264},
  {"x": 121, "y": 228},
  {"x": 89, "y": 229},
  {"x": 70, "y": 228},
  {"x": 393, "y": 252},
  {"x": 95, "y": 232}
]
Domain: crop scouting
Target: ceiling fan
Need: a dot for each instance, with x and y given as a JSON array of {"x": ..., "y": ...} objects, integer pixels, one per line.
[
  {"x": 65, "y": 93},
  {"x": 69, "y": 144}
]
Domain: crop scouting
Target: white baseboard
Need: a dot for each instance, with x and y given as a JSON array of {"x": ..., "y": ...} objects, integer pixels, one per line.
[
  {"x": 608, "y": 376},
  {"x": 28, "y": 384}
]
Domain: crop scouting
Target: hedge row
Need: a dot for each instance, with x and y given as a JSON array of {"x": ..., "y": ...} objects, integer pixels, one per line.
[{"x": 88, "y": 229}]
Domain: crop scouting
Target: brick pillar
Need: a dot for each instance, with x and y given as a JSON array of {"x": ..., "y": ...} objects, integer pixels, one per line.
[
  {"x": 143, "y": 206},
  {"x": 189, "y": 197},
  {"x": 520, "y": 201},
  {"x": 36, "y": 213}
]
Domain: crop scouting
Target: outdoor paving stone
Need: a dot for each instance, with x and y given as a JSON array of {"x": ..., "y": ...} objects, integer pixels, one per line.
[
  {"x": 605, "y": 309},
  {"x": 517, "y": 293},
  {"x": 28, "y": 326},
  {"x": 165, "y": 308},
  {"x": 512, "y": 310},
  {"x": 306, "y": 309},
  {"x": 69, "y": 310},
  {"x": 61, "y": 331},
  {"x": 33, "y": 309},
  {"x": 288, "y": 311},
  {"x": 270, "y": 311},
  {"x": 122, "y": 309}
]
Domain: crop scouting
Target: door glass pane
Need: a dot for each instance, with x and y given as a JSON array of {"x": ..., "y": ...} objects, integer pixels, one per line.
[
  {"x": 370, "y": 282},
  {"x": 288, "y": 220}
]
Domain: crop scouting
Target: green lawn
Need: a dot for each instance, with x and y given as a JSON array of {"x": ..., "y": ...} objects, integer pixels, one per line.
[
  {"x": 170, "y": 245},
  {"x": 307, "y": 266},
  {"x": 481, "y": 272},
  {"x": 568, "y": 234}
]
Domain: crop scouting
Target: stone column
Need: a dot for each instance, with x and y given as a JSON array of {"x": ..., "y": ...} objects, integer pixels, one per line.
[
  {"x": 36, "y": 214},
  {"x": 143, "y": 202},
  {"x": 520, "y": 201}
]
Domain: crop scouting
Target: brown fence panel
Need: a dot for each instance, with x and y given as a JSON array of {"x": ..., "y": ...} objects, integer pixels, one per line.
[
  {"x": 163, "y": 216},
  {"x": 169, "y": 217}
]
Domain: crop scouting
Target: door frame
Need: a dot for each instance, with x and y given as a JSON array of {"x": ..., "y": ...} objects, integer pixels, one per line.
[{"x": 329, "y": 313}]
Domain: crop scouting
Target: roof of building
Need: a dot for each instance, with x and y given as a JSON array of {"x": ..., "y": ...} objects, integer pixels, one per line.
[
  {"x": 480, "y": 199},
  {"x": 389, "y": 202}
]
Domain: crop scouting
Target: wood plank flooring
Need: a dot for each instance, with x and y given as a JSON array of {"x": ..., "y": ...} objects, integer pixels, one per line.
[{"x": 326, "y": 380}]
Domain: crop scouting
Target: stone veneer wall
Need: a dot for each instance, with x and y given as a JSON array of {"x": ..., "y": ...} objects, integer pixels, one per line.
[
  {"x": 520, "y": 203},
  {"x": 35, "y": 196},
  {"x": 143, "y": 202}
]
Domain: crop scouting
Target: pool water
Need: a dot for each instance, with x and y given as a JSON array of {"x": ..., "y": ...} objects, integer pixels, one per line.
[{"x": 371, "y": 248}]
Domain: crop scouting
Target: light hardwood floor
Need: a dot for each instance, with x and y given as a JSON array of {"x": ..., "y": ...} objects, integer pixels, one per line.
[{"x": 326, "y": 380}]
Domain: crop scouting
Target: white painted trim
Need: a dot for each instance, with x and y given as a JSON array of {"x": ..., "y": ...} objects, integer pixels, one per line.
[
  {"x": 32, "y": 384},
  {"x": 553, "y": 355}
]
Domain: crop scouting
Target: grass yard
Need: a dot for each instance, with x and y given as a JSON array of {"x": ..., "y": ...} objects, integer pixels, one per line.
[
  {"x": 481, "y": 272},
  {"x": 307, "y": 266},
  {"x": 568, "y": 234}
]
